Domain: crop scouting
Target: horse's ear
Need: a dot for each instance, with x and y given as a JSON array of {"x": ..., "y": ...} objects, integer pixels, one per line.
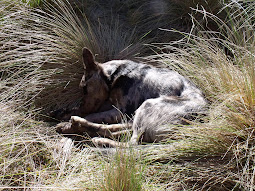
[{"x": 88, "y": 60}]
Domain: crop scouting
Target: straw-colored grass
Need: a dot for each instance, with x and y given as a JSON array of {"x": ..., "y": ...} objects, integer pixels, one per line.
[
  {"x": 40, "y": 67},
  {"x": 227, "y": 79},
  {"x": 32, "y": 155},
  {"x": 123, "y": 172},
  {"x": 37, "y": 51},
  {"x": 73, "y": 31}
]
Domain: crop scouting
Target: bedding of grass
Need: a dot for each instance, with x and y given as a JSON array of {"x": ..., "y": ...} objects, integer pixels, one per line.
[{"x": 210, "y": 42}]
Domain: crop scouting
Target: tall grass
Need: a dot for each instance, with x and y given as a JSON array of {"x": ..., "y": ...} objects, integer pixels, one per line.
[
  {"x": 73, "y": 31},
  {"x": 24, "y": 49},
  {"x": 147, "y": 17},
  {"x": 24, "y": 142},
  {"x": 222, "y": 64},
  {"x": 123, "y": 172},
  {"x": 40, "y": 56},
  {"x": 40, "y": 60},
  {"x": 53, "y": 40},
  {"x": 32, "y": 155}
]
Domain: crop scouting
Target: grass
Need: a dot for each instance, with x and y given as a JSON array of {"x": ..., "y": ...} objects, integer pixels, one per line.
[
  {"x": 30, "y": 152},
  {"x": 123, "y": 172},
  {"x": 33, "y": 3},
  {"x": 228, "y": 82},
  {"x": 33, "y": 156},
  {"x": 73, "y": 31},
  {"x": 40, "y": 70},
  {"x": 146, "y": 17}
]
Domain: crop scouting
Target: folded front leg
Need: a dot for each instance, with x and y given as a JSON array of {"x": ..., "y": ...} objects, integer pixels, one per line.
[
  {"x": 78, "y": 125},
  {"x": 82, "y": 125}
]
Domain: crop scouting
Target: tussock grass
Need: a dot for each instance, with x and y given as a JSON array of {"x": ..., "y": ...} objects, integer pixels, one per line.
[
  {"x": 147, "y": 17},
  {"x": 53, "y": 39},
  {"x": 40, "y": 56},
  {"x": 32, "y": 155},
  {"x": 73, "y": 31},
  {"x": 26, "y": 46},
  {"x": 227, "y": 78},
  {"x": 123, "y": 172},
  {"x": 37, "y": 51}
]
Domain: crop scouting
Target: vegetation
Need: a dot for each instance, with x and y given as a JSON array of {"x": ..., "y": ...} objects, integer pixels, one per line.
[
  {"x": 123, "y": 172},
  {"x": 211, "y": 42}
]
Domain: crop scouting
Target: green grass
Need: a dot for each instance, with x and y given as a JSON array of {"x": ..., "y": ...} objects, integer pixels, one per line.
[
  {"x": 33, "y": 3},
  {"x": 123, "y": 172}
]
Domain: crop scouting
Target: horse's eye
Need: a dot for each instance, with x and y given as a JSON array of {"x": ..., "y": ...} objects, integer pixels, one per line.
[{"x": 85, "y": 91}]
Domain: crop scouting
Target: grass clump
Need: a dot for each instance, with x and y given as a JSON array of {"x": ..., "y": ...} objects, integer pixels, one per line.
[
  {"x": 25, "y": 143},
  {"x": 222, "y": 64},
  {"x": 149, "y": 17},
  {"x": 72, "y": 31},
  {"x": 32, "y": 155},
  {"x": 123, "y": 172},
  {"x": 25, "y": 157},
  {"x": 41, "y": 60}
]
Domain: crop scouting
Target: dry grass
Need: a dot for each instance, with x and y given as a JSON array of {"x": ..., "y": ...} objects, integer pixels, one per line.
[
  {"x": 73, "y": 31},
  {"x": 40, "y": 60},
  {"x": 32, "y": 155},
  {"x": 123, "y": 172},
  {"x": 228, "y": 82},
  {"x": 38, "y": 50},
  {"x": 147, "y": 17}
]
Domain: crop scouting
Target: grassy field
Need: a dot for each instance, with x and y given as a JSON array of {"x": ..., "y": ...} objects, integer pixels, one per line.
[{"x": 211, "y": 42}]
